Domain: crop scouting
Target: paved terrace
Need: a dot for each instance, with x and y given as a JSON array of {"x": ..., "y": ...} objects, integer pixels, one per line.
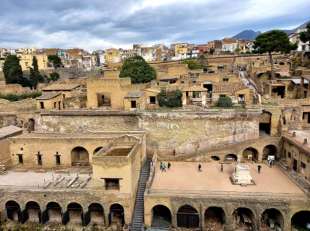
[
  {"x": 184, "y": 178},
  {"x": 70, "y": 179}
]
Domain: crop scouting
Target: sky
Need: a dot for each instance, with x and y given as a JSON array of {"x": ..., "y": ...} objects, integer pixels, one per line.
[{"x": 101, "y": 24}]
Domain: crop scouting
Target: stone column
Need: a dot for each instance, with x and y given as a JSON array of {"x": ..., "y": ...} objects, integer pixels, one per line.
[{"x": 174, "y": 219}]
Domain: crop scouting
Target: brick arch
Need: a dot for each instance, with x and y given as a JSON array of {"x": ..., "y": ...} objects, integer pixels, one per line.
[
  {"x": 188, "y": 216},
  {"x": 250, "y": 215}
]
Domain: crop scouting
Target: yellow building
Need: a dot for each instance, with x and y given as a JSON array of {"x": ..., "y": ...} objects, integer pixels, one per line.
[
  {"x": 26, "y": 61},
  {"x": 50, "y": 101},
  {"x": 112, "y": 55}
]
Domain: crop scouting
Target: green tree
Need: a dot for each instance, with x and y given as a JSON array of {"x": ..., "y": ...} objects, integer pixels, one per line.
[
  {"x": 224, "y": 101},
  {"x": 55, "y": 61},
  {"x": 273, "y": 41},
  {"x": 138, "y": 70},
  {"x": 35, "y": 76},
  {"x": 13, "y": 72},
  {"x": 305, "y": 35},
  {"x": 170, "y": 98}
]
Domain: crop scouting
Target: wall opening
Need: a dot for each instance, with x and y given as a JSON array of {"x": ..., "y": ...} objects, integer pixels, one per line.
[
  {"x": 13, "y": 211},
  {"x": 187, "y": 217},
  {"x": 74, "y": 214},
  {"x": 231, "y": 157},
  {"x": 161, "y": 216},
  {"x": 79, "y": 157},
  {"x": 301, "y": 220},
  {"x": 52, "y": 214},
  {"x": 270, "y": 150},
  {"x": 214, "y": 218},
  {"x": 272, "y": 219},
  {"x": 95, "y": 215},
  {"x": 32, "y": 212},
  {"x": 244, "y": 219},
  {"x": 250, "y": 154},
  {"x": 117, "y": 215}
]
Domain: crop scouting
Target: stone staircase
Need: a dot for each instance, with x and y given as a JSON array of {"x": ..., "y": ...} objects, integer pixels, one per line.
[{"x": 138, "y": 215}]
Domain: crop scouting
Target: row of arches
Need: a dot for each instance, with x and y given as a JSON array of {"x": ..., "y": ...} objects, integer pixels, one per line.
[
  {"x": 215, "y": 218},
  {"x": 55, "y": 214},
  {"x": 251, "y": 153}
]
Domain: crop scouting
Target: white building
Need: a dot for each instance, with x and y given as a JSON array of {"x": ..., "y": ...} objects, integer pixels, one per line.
[{"x": 294, "y": 38}]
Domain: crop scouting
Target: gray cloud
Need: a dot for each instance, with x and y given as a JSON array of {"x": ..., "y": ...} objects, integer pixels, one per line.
[{"x": 98, "y": 24}]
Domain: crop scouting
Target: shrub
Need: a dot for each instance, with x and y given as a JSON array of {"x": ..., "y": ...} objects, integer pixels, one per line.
[
  {"x": 170, "y": 98},
  {"x": 224, "y": 101},
  {"x": 192, "y": 64},
  {"x": 17, "y": 97}
]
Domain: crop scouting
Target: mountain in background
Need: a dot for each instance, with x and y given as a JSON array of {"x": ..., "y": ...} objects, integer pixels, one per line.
[
  {"x": 247, "y": 35},
  {"x": 251, "y": 34}
]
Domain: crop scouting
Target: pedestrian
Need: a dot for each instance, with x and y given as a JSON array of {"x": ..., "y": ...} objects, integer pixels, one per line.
[
  {"x": 199, "y": 167},
  {"x": 222, "y": 167},
  {"x": 259, "y": 167},
  {"x": 169, "y": 165},
  {"x": 161, "y": 166}
]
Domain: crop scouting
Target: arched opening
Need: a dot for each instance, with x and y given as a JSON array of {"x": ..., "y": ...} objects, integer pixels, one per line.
[
  {"x": 53, "y": 213},
  {"x": 214, "y": 218},
  {"x": 161, "y": 216},
  {"x": 301, "y": 221},
  {"x": 13, "y": 211},
  {"x": 265, "y": 123},
  {"x": 97, "y": 149},
  {"x": 79, "y": 157},
  {"x": 250, "y": 154},
  {"x": 231, "y": 157},
  {"x": 32, "y": 212},
  {"x": 270, "y": 150},
  {"x": 31, "y": 125},
  {"x": 95, "y": 214},
  {"x": 244, "y": 219},
  {"x": 272, "y": 219},
  {"x": 187, "y": 217},
  {"x": 117, "y": 215},
  {"x": 215, "y": 158},
  {"x": 74, "y": 214}
]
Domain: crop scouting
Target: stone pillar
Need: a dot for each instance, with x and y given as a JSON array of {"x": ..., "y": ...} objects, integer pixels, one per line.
[
  {"x": 174, "y": 219},
  {"x": 106, "y": 218},
  {"x": 147, "y": 217}
]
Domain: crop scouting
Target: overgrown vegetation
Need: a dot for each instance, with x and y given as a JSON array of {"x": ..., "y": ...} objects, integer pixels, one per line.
[
  {"x": 138, "y": 70},
  {"x": 55, "y": 61},
  {"x": 273, "y": 41},
  {"x": 193, "y": 64},
  {"x": 17, "y": 97},
  {"x": 170, "y": 98},
  {"x": 224, "y": 101}
]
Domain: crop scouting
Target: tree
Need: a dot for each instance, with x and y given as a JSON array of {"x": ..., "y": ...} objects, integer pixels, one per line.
[
  {"x": 13, "y": 72},
  {"x": 305, "y": 35},
  {"x": 170, "y": 98},
  {"x": 273, "y": 41},
  {"x": 35, "y": 76},
  {"x": 224, "y": 101},
  {"x": 138, "y": 70},
  {"x": 55, "y": 61}
]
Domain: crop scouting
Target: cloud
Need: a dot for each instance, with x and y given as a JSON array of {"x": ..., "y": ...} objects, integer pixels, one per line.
[{"x": 99, "y": 24}]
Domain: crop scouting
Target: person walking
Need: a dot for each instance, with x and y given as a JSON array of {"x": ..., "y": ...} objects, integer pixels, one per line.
[
  {"x": 259, "y": 167},
  {"x": 222, "y": 167},
  {"x": 169, "y": 165},
  {"x": 199, "y": 168}
]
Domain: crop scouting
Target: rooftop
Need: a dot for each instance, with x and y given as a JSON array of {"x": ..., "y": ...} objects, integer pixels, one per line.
[
  {"x": 184, "y": 178},
  {"x": 299, "y": 138},
  {"x": 48, "y": 95},
  {"x": 9, "y": 131},
  {"x": 61, "y": 87}
]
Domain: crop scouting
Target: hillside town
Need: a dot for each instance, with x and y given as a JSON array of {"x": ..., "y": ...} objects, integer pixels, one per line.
[{"x": 179, "y": 137}]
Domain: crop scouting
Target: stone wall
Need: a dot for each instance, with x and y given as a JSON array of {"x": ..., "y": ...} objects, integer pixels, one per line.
[
  {"x": 177, "y": 133},
  {"x": 173, "y": 132}
]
